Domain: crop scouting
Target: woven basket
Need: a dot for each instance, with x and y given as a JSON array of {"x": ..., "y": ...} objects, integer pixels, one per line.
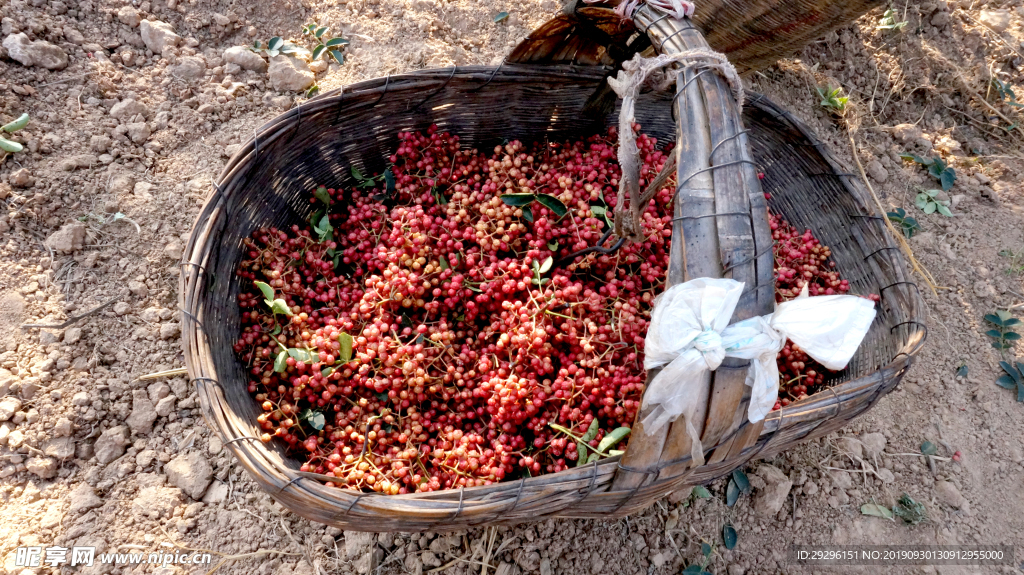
[
  {"x": 268, "y": 181},
  {"x": 754, "y": 34}
]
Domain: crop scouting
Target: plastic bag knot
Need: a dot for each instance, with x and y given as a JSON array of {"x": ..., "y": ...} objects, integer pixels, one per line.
[{"x": 709, "y": 344}]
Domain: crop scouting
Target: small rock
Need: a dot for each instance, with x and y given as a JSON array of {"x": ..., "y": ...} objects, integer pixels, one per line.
[
  {"x": 877, "y": 171},
  {"x": 122, "y": 308},
  {"x": 189, "y": 67},
  {"x": 121, "y": 184},
  {"x": 81, "y": 399},
  {"x": 64, "y": 427},
  {"x": 143, "y": 413},
  {"x": 191, "y": 472},
  {"x": 174, "y": 249},
  {"x": 217, "y": 493},
  {"x": 851, "y": 445},
  {"x": 545, "y": 564},
  {"x": 983, "y": 289},
  {"x": 874, "y": 444},
  {"x": 145, "y": 457},
  {"x": 158, "y": 391},
  {"x": 99, "y": 143},
  {"x": 72, "y": 335},
  {"x": 215, "y": 446},
  {"x": 997, "y": 20},
  {"x": 7, "y": 379},
  {"x": 44, "y": 467},
  {"x": 169, "y": 330},
  {"x": 73, "y": 36},
  {"x": 206, "y": 109},
  {"x": 245, "y": 58},
  {"x": 842, "y": 480},
  {"x": 289, "y": 74},
  {"x": 318, "y": 67},
  {"x": 431, "y": 560},
  {"x": 111, "y": 444},
  {"x": 529, "y": 561},
  {"x": 143, "y": 191},
  {"x": 130, "y": 16},
  {"x": 357, "y": 544},
  {"x": 83, "y": 498},
  {"x": 156, "y": 501},
  {"x": 940, "y": 19},
  {"x": 138, "y": 288},
  {"x": 128, "y": 109},
  {"x": 8, "y": 407},
  {"x": 886, "y": 476},
  {"x": 158, "y": 36},
  {"x": 165, "y": 406},
  {"x": 770, "y": 500},
  {"x": 947, "y": 493},
  {"x": 906, "y": 132},
  {"x": 60, "y": 447},
  {"x": 38, "y": 53},
  {"x": 22, "y": 178},
  {"x": 69, "y": 238},
  {"x": 73, "y": 163},
  {"x": 139, "y": 132}
]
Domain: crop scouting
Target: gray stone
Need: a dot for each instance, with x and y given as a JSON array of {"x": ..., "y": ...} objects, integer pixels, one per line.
[
  {"x": 289, "y": 74},
  {"x": 874, "y": 444},
  {"x": 64, "y": 427},
  {"x": 78, "y": 161},
  {"x": 60, "y": 447},
  {"x": 170, "y": 330},
  {"x": 145, "y": 457},
  {"x": 129, "y": 108},
  {"x": 842, "y": 480},
  {"x": 983, "y": 289},
  {"x": 217, "y": 493},
  {"x": 770, "y": 499},
  {"x": 99, "y": 143},
  {"x": 189, "y": 67},
  {"x": 138, "y": 288},
  {"x": 997, "y": 20},
  {"x": 174, "y": 249},
  {"x": 138, "y": 132},
  {"x": 191, "y": 472},
  {"x": 886, "y": 476},
  {"x": 143, "y": 413},
  {"x": 947, "y": 493},
  {"x": 165, "y": 406},
  {"x": 156, "y": 501},
  {"x": 130, "y": 16},
  {"x": 158, "y": 36},
  {"x": 39, "y": 53},
  {"x": 8, "y": 407},
  {"x": 7, "y": 379},
  {"x": 44, "y": 467},
  {"x": 906, "y": 132},
  {"x": 940, "y": 19},
  {"x": 72, "y": 335},
  {"x": 158, "y": 391},
  {"x": 877, "y": 171},
  {"x": 851, "y": 445},
  {"x": 70, "y": 238},
  {"x": 111, "y": 444},
  {"x": 22, "y": 178},
  {"x": 83, "y": 498},
  {"x": 245, "y": 59},
  {"x": 357, "y": 544}
]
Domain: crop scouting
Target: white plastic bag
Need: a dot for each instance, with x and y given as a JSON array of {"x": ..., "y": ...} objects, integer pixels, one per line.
[{"x": 689, "y": 335}]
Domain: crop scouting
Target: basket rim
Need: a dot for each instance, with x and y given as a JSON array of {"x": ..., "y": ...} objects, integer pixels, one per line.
[{"x": 255, "y": 458}]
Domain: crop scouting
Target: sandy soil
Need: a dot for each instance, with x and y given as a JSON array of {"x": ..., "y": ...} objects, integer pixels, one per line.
[{"x": 91, "y": 455}]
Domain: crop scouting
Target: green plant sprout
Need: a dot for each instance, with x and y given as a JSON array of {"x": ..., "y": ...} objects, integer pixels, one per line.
[
  {"x": 937, "y": 168},
  {"x": 1002, "y": 334},
  {"x": 905, "y": 223},
  {"x": 888, "y": 22},
  {"x": 927, "y": 201},
  {"x": 832, "y": 101},
  {"x": 10, "y": 146},
  {"x": 277, "y": 46},
  {"x": 329, "y": 47}
]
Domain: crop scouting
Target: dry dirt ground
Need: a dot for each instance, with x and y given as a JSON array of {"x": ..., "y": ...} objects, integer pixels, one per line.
[{"x": 91, "y": 455}]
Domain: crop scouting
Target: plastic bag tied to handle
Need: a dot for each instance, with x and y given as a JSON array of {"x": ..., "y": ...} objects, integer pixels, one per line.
[{"x": 689, "y": 337}]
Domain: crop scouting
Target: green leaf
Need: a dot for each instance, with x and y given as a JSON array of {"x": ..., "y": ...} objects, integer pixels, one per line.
[
  {"x": 1004, "y": 315},
  {"x": 915, "y": 158},
  {"x": 614, "y": 452},
  {"x": 501, "y": 16},
  {"x": 275, "y": 43},
  {"x": 9, "y": 146},
  {"x": 729, "y": 536},
  {"x": 962, "y": 371},
  {"x": 1011, "y": 322},
  {"x": 323, "y": 195},
  {"x": 1006, "y": 382},
  {"x": 268, "y": 292},
  {"x": 1020, "y": 392},
  {"x": 546, "y": 266},
  {"x": 517, "y": 200},
  {"x": 314, "y": 419},
  {"x": 876, "y": 510},
  {"x": 741, "y": 480},
  {"x": 280, "y": 306},
  {"x": 593, "y": 457},
  {"x": 993, "y": 318},
  {"x": 929, "y": 208},
  {"x": 1011, "y": 371},
  {"x": 338, "y": 57},
  {"x": 277, "y": 330},
  {"x": 947, "y": 178},
  {"x": 299, "y": 354},
  {"x": 336, "y": 42},
  {"x": 281, "y": 363},
  {"x": 389, "y": 181},
  {"x": 922, "y": 200},
  {"x": 444, "y": 263},
  {"x": 994, "y": 333},
  {"x": 601, "y": 210},
  {"x": 327, "y": 371},
  {"x": 272, "y": 53},
  {"x": 318, "y": 50},
  {"x": 320, "y": 32},
  {"x": 929, "y": 448},
  {"x": 732, "y": 493},
  {"x": 613, "y": 438},
  {"x": 581, "y": 454},
  {"x": 324, "y": 228},
  {"x": 1011, "y": 336},
  {"x": 909, "y": 510},
  {"x": 552, "y": 203},
  {"x": 528, "y": 214},
  {"x": 345, "y": 349},
  {"x": 693, "y": 569},
  {"x": 553, "y": 246},
  {"x": 705, "y": 549},
  {"x": 700, "y": 492},
  {"x": 942, "y": 209},
  {"x": 16, "y": 125},
  {"x": 591, "y": 432}
]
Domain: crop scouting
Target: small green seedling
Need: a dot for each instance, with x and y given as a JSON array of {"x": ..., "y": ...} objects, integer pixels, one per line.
[
  {"x": 698, "y": 492},
  {"x": 1014, "y": 378},
  {"x": 832, "y": 101},
  {"x": 937, "y": 168},
  {"x": 1003, "y": 335},
  {"x": 910, "y": 511},
  {"x": 327, "y": 46},
  {"x": 1006, "y": 94},
  {"x": 905, "y": 223},
  {"x": 276, "y": 46},
  {"x": 10, "y": 146},
  {"x": 738, "y": 483},
  {"x": 888, "y": 22},
  {"x": 928, "y": 203},
  {"x": 706, "y": 551},
  {"x": 524, "y": 201}
]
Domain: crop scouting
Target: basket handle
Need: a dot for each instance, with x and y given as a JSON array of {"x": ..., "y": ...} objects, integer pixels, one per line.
[{"x": 720, "y": 229}]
